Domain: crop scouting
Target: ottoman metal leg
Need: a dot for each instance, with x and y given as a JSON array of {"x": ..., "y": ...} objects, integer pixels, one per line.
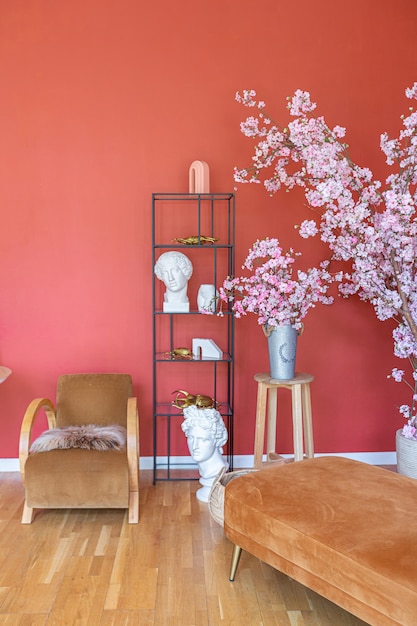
[{"x": 237, "y": 551}]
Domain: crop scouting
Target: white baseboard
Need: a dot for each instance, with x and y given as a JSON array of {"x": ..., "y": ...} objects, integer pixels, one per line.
[
  {"x": 372, "y": 458},
  {"x": 9, "y": 465},
  {"x": 242, "y": 461}
]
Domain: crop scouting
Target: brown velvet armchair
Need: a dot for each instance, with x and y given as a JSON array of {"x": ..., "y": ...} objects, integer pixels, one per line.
[{"x": 83, "y": 478}]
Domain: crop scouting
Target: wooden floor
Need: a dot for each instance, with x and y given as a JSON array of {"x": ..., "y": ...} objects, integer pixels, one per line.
[{"x": 91, "y": 568}]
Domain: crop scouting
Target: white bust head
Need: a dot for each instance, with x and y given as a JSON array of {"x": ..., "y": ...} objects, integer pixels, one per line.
[
  {"x": 206, "y": 435},
  {"x": 175, "y": 270}
]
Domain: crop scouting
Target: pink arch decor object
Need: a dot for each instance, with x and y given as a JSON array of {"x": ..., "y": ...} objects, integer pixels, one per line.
[
  {"x": 199, "y": 177},
  {"x": 4, "y": 373}
]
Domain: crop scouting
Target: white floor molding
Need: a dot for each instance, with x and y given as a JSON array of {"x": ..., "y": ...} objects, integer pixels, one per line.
[{"x": 241, "y": 461}]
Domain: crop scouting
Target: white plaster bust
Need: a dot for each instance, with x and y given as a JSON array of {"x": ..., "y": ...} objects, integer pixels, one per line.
[
  {"x": 206, "y": 435},
  {"x": 175, "y": 270}
]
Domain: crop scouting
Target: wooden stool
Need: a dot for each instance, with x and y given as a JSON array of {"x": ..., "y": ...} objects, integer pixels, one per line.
[{"x": 301, "y": 416}]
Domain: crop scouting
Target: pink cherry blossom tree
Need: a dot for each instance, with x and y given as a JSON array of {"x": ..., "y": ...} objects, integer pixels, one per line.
[{"x": 368, "y": 224}]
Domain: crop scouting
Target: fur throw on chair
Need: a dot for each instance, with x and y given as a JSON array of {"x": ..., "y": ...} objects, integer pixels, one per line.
[{"x": 89, "y": 437}]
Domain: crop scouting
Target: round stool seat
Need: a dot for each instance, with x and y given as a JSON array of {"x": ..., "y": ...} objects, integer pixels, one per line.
[{"x": 300, "y": 378}]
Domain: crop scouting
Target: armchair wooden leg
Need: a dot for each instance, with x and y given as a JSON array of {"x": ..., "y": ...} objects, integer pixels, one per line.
[
  {"x": 133, "y": 507},
  {"x": 28, "y": 513},
  {"x": 237, "y": 551}
]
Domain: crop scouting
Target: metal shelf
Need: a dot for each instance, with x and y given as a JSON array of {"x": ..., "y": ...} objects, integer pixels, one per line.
[{"x": 198, "y": 215}]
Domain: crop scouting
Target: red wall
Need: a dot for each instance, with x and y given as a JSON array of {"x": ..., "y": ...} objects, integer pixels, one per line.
[{"x": 102, "y": 103}]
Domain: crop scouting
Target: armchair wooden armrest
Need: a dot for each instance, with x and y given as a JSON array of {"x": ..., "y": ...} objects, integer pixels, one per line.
[
  {"x": 27, "y": 424},
  {"x": 132, "y": 444}
]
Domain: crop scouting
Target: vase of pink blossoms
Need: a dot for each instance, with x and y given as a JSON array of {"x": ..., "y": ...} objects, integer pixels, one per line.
[
  {"x": 280, "y": 296},
  {"x": 368, "y": 223},
  {"x": 406, "y": 437},
  {"x": 406, "y": 449}
]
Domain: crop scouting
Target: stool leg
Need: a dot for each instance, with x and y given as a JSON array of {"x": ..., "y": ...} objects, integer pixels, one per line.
[
  {"x": 308, "y": 421},
  {"x": 237, "y": 551},
  {"x": 271, "y": 432},
  {"x": 297, "y": 422},
  {"x": 260, "y": 425}
]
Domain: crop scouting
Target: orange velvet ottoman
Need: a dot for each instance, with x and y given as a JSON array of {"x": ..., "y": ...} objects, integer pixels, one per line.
[{"x": 345, "y": 529}]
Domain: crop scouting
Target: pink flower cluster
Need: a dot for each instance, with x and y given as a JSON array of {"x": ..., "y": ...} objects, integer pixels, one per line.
[
  {"x": 370, "y": 224},
  {"x": 272, "y": 290}
]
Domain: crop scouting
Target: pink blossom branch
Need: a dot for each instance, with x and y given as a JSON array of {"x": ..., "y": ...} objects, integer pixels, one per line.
[{"x": 404, "y": 311}]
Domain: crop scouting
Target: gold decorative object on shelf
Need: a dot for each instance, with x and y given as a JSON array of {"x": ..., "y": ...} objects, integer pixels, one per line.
[
  {"x": 194, "y": 240},
  {"x": 180, "y": 353},
  {"x": 187, "y": 399}
]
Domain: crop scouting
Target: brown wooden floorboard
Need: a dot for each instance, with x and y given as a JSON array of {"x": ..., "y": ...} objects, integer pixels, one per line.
[{"x": 91, "y": 568}]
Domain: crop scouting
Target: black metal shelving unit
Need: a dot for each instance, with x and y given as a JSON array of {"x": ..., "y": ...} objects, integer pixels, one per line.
[{"x": 199, "y": 215}]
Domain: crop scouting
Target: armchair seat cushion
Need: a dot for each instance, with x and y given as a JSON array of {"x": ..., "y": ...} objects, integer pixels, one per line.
[{"x": 69, "y": 478}]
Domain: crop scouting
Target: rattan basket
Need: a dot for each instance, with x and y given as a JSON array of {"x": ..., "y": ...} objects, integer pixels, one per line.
[{"x": 216, "y": 495}]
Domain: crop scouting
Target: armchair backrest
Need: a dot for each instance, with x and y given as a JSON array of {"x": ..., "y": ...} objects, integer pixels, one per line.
[{"x": 92, "y": 399}]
